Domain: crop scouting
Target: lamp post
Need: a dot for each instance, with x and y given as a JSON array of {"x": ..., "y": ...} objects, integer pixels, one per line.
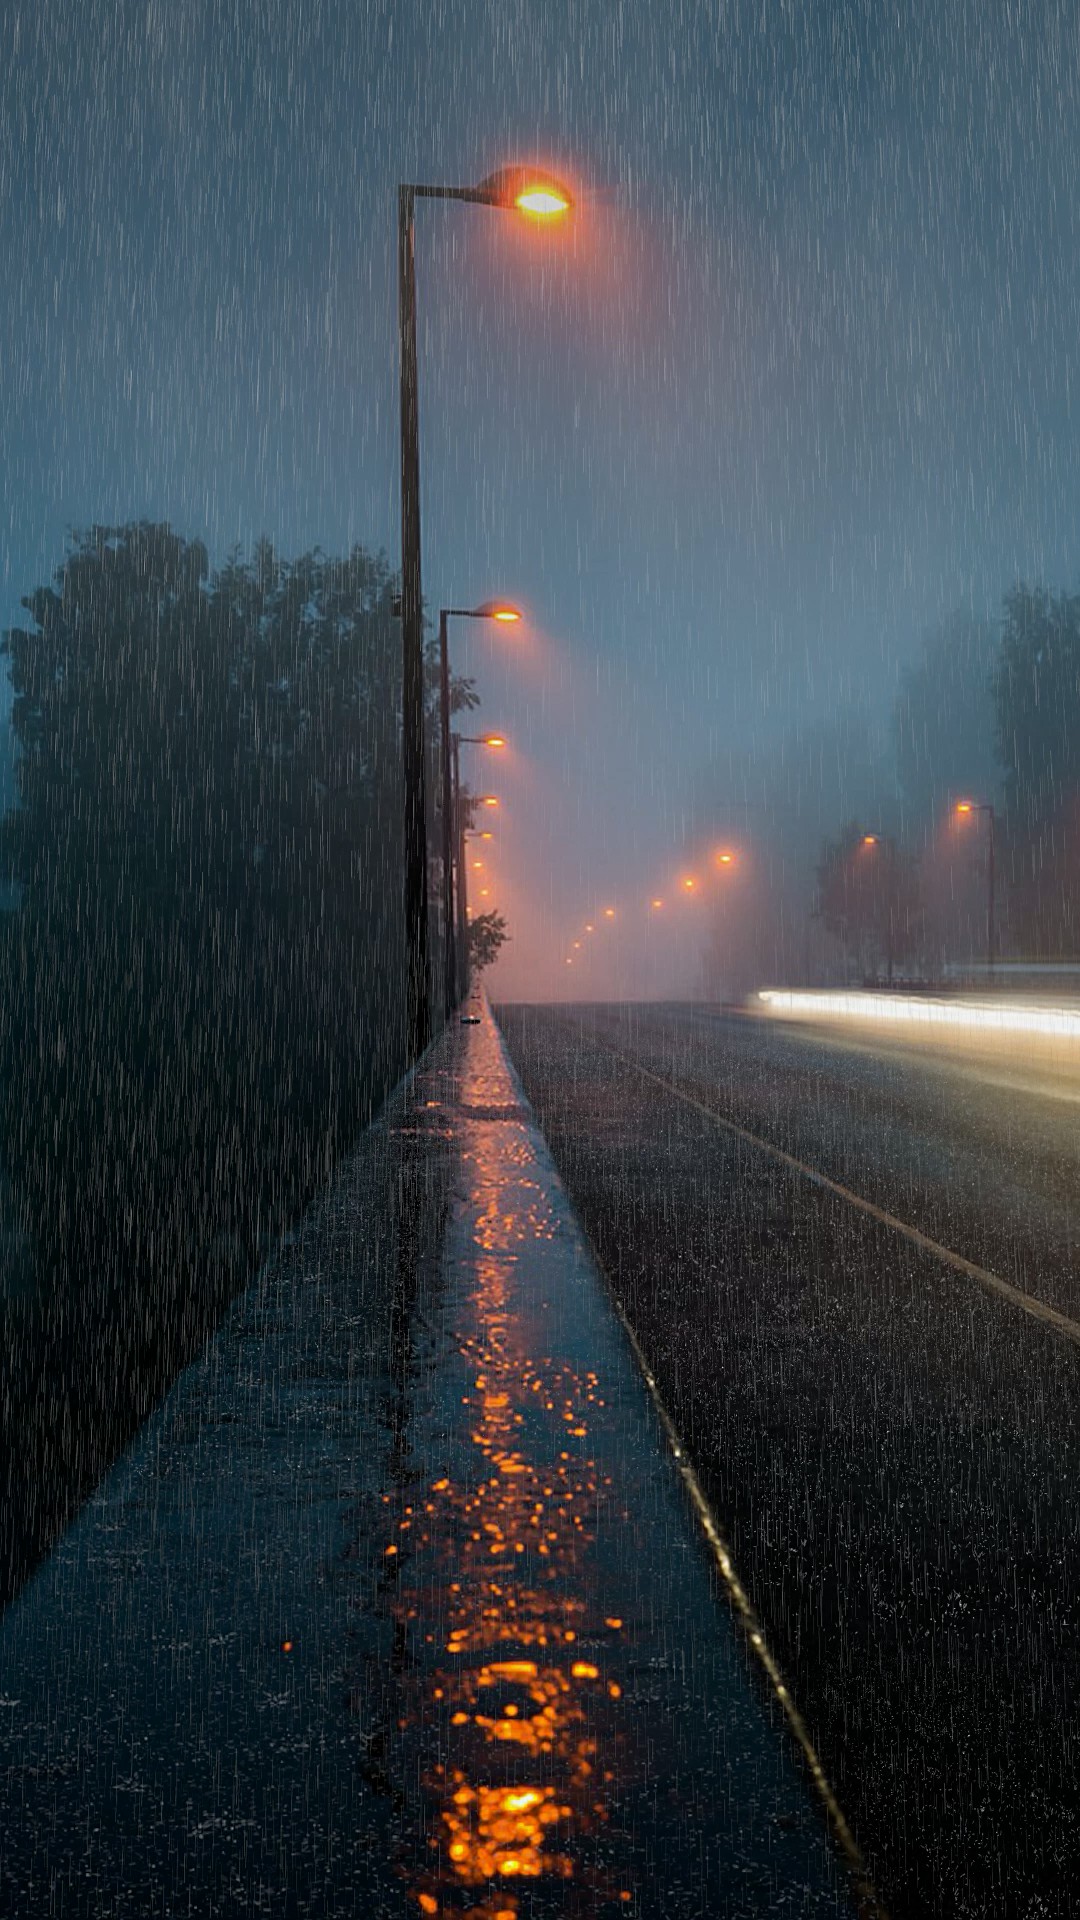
[
  {"x": 489, "y": 610},
  {"x": 965, "y": 807},
  {"x": 539, "y": 197},
  {"x": 871, "y": 841}
]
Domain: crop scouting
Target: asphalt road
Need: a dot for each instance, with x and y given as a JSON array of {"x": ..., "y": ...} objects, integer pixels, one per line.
[{"x": 891, "y": 1446}]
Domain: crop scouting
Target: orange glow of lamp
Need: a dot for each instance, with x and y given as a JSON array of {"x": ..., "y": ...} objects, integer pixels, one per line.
[
  {"x": 503, "y": 611},
  {"x": 537, "y": 194}
]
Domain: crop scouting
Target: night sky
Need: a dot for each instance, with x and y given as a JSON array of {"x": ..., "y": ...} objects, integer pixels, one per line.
[{"x": 794, "y": 382}]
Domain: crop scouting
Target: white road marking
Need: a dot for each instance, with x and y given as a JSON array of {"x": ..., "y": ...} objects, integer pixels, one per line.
[{"x": 991, "y": 1282}]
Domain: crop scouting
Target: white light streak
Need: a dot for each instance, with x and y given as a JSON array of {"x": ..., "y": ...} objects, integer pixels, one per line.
[{"x": 894, "y": 1009}]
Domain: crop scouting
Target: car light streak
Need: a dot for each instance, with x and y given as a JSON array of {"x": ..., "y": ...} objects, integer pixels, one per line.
[{"x": 895, "y": 1009}]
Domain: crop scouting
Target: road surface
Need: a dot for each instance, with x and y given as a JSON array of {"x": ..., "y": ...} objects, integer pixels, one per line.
[
  {"x": 853, "y": 1267},
  {"x": 398, "y": 1606}
]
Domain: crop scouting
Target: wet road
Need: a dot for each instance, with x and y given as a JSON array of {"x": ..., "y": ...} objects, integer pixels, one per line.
[
  {"x": 399, "y": 1606},
  {"x": 891, "y": 1444}
]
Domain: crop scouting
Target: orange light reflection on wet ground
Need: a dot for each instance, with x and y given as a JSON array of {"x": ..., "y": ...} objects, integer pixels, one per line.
[{"x": 522, "y": 1720}]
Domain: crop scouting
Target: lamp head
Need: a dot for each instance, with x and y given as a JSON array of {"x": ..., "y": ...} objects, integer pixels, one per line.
[
  {"x": 527, "y": 189},
  {"x": 502, "y": 610}
]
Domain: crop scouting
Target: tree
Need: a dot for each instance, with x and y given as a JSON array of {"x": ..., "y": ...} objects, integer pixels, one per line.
[
  {"x": 487, "y": 937},
  {"x": 201, "y": 988},
  {"x": 868, "y": 899},
  {"x": 943, "y": 721},
  {"x": 1037, "y": 701}
]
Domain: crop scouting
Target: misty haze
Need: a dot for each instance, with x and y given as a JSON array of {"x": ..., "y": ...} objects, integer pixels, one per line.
[{"x": 539, "y": 959}]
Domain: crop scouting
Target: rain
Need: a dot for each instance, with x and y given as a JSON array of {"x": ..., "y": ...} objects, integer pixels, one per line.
[{"x": 539, "y": 958}]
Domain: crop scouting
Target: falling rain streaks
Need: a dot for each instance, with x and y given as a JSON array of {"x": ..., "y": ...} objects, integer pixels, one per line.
[
  {"x": 561, "y": 1711},
  {"x": 511, "y": 1711}
]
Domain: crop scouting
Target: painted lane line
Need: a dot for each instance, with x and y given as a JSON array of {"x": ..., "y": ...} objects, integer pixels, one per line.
[{"x": 991, "y": 1282}]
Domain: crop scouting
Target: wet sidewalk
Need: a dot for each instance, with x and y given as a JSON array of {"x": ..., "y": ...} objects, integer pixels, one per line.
[{"x": 399, "y": 1605}]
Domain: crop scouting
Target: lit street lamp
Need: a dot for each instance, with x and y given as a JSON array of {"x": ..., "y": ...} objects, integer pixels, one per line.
[
  {"x": 870, "y": 841},
  {"x": 964, "y": 808},
  {"x": 536, "y": 196}
]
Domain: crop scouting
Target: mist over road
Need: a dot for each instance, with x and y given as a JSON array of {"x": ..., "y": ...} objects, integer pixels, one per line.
[{"x": 890, "y": 1444}]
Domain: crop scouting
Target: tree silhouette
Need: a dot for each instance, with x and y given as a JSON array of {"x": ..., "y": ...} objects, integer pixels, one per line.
[{"x": 202, "y": 983}]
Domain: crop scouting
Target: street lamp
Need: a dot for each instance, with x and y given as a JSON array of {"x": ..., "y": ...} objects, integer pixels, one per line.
[
  {"x": 870, "y": 841},
  {"x": 964, "y": 808},
  {"x": 502, "y": 611},
  {"x": 537, "y": 196}
]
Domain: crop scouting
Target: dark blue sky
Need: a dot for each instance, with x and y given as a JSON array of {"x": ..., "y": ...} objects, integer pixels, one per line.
[{"x": 796, "y": 382}]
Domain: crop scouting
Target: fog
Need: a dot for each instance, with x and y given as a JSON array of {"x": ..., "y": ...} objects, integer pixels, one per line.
[{"x": 791, "y": 386}]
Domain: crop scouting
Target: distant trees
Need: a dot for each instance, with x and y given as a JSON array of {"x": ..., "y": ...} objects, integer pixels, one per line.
[
  {"x": 943, "y": 721},
  {"x": 991, "y": 712},
  {"x": 1036, "y": 688},
  {"x": 868, "y": 899}
]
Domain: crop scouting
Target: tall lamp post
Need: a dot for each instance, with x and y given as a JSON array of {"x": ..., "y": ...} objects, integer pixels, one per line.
[
  {"x": 540, "y": 197},
  {"x": 489, "y": 610},
  {"x": 965, "y": 807},
  {"x": 871, "y": 841}
]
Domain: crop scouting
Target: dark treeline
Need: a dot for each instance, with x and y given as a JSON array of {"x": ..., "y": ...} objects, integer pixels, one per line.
[
  {"x": 859, "y": 859},
  {"x": 990, "y": 717},
  {"x": 203, "y": 981}
]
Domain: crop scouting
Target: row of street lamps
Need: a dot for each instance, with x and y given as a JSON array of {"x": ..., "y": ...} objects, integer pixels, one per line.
[
  {"x": 688, "y": 886},
  {"x": 724, "y": 859},
  {"x": 534, "y": 195}
]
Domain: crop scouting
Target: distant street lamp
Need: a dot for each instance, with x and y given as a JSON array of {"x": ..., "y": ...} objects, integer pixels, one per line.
[
  {"x": 870, "y": 841},
  {"x": 500, "y": 610},
  {"x": 536, "y": 196},
  {"x": 964, "y": 808}
]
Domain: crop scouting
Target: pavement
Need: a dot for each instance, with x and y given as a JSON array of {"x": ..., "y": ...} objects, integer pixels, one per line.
[
  {"x": 405, "y": 1600},
  {"x": 853, "y": 1268}
]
